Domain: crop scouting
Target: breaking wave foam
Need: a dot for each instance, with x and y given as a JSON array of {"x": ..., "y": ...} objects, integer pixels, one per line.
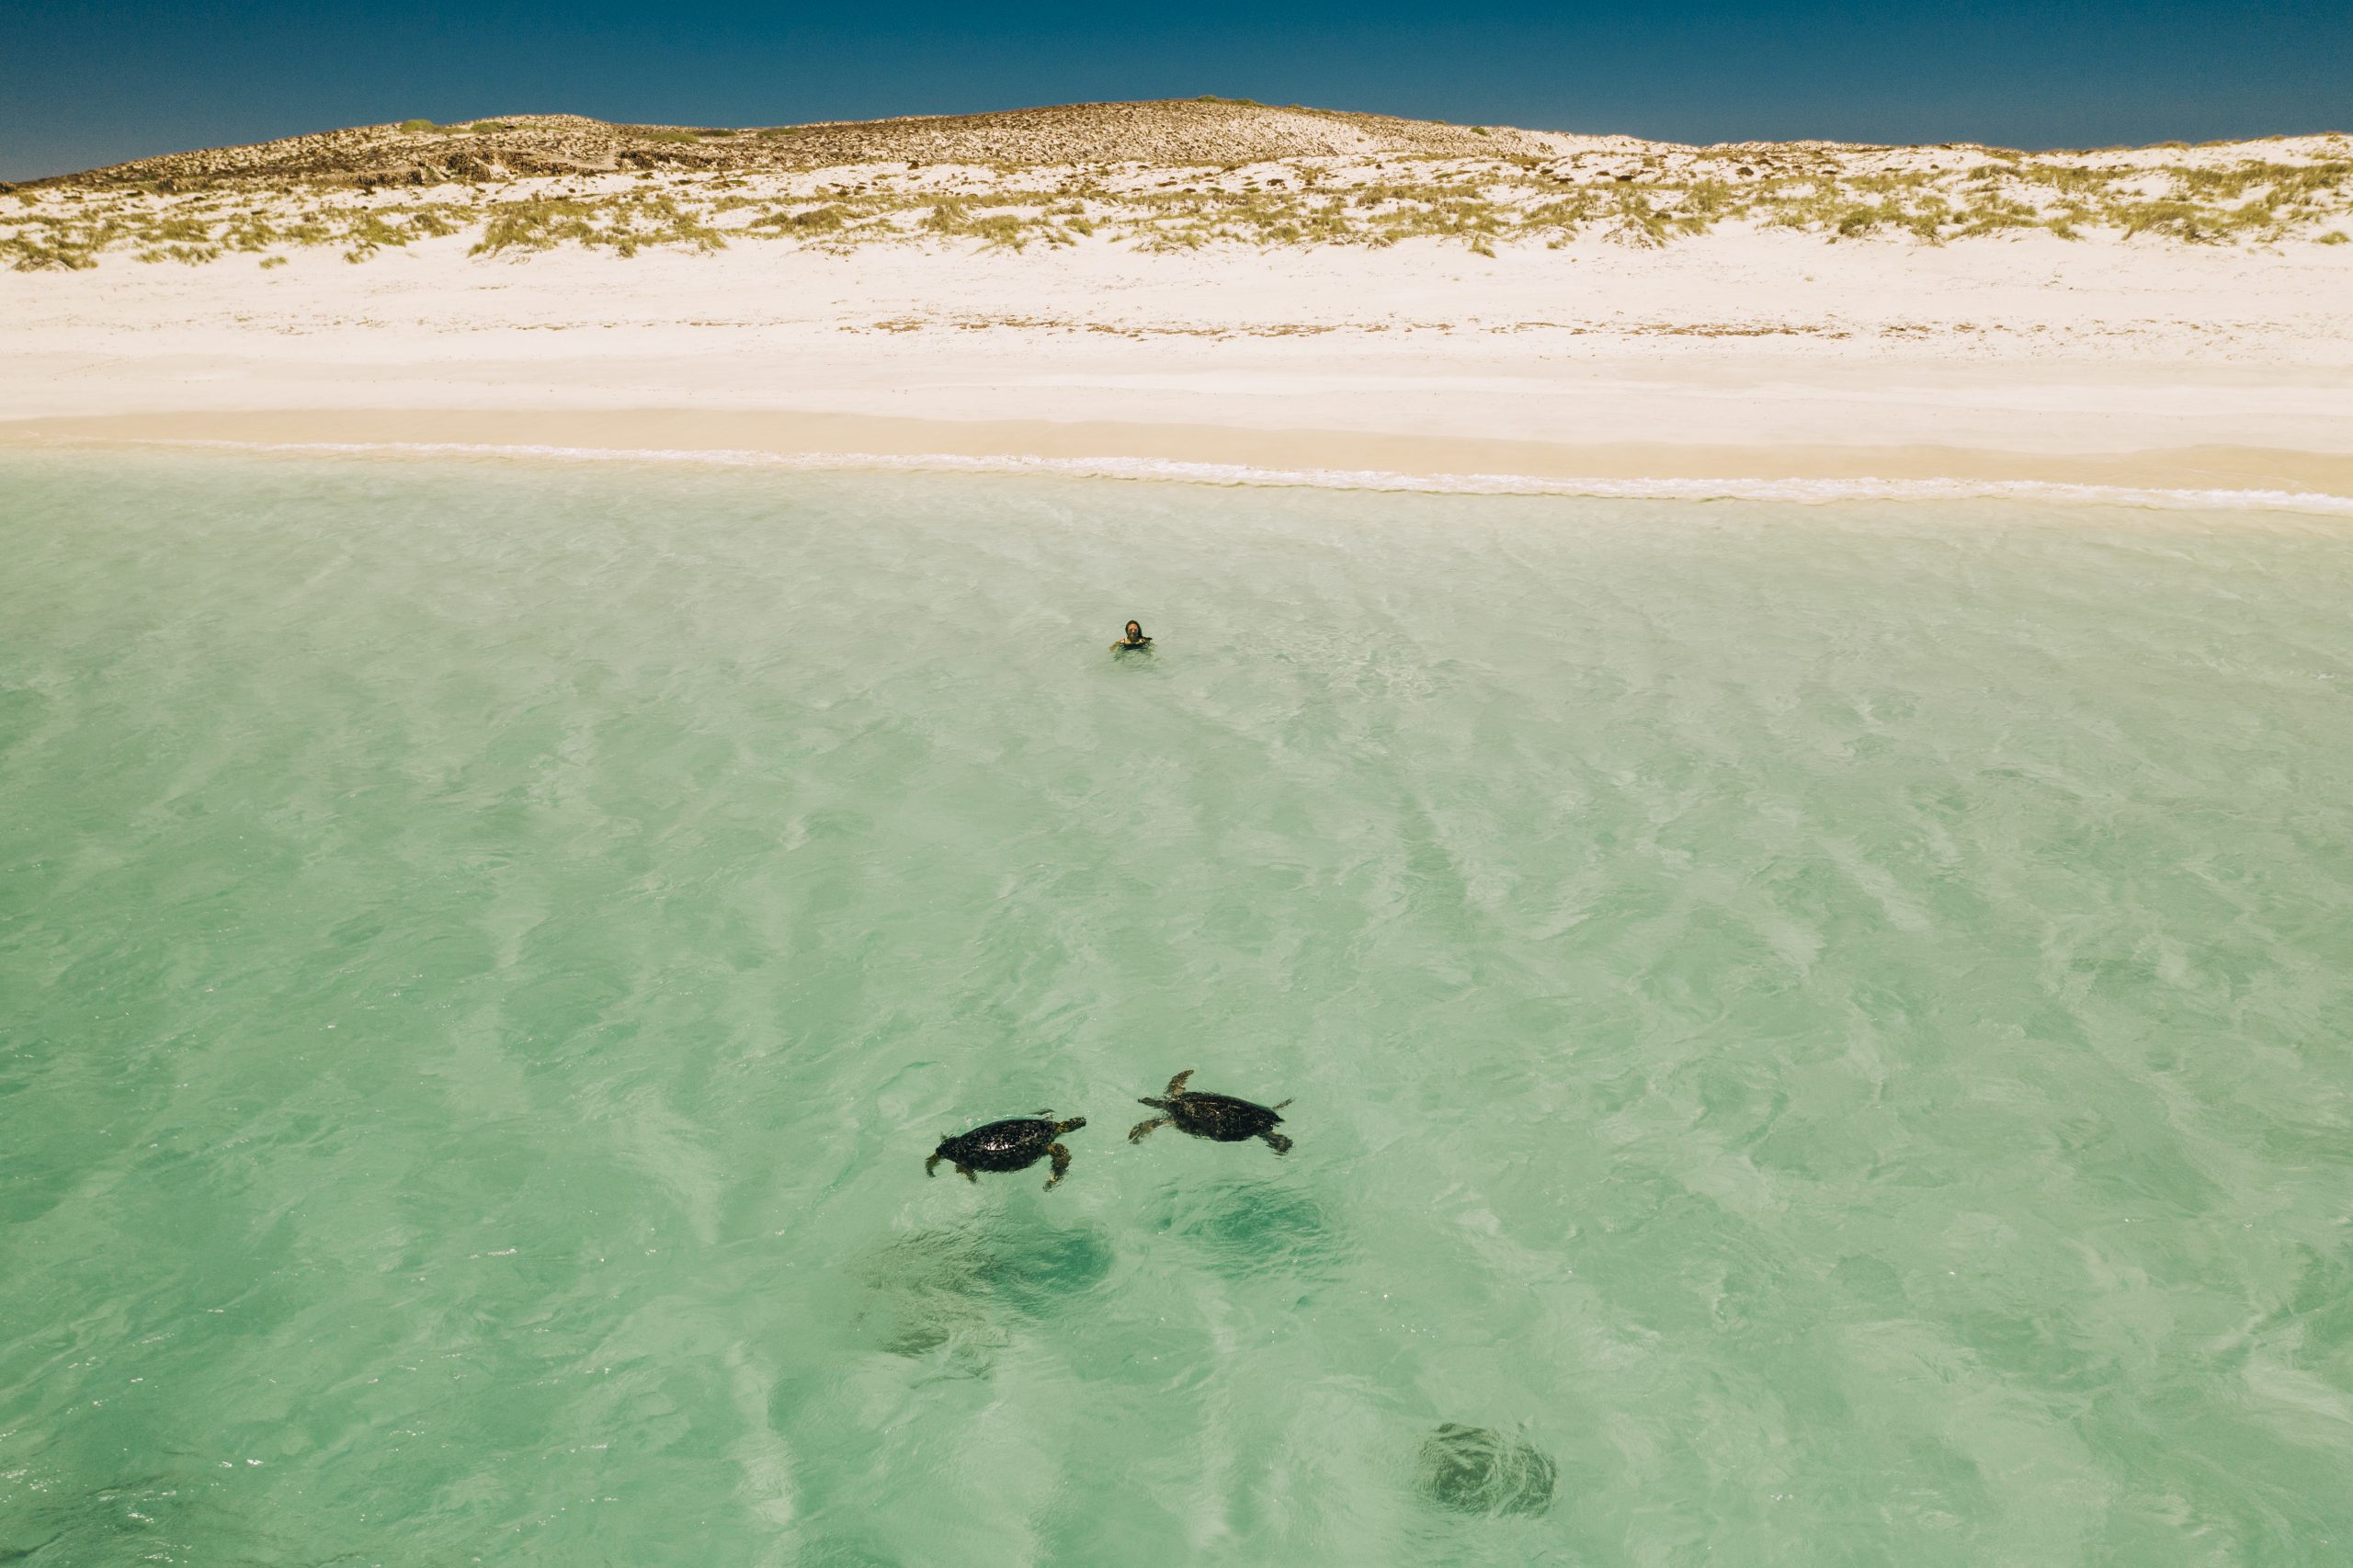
[{"x": 1171, "y": 471}]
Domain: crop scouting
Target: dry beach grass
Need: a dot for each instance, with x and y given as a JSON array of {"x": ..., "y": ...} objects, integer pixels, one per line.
[{"x": 1159, "y": 176}]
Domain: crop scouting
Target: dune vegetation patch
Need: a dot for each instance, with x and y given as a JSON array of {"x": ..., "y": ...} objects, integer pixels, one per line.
[
  {"x": 194, "y": 231},
  {"x": 624, "y": 225},
  {"x": 1639, "y": 195}
]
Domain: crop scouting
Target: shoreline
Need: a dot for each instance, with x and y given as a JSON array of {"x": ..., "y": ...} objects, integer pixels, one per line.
[
  {"x": 2216, "y": 476},
  {"x": 1733, "y": 362}
]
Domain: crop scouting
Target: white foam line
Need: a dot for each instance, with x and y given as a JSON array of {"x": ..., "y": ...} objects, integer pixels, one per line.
[{"x": 1811, "y": 492}]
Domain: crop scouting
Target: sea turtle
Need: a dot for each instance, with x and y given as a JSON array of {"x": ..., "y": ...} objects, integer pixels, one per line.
[
  {"x": 1219, "y": 1117},
  {"x": 1011, "y": 1145}
]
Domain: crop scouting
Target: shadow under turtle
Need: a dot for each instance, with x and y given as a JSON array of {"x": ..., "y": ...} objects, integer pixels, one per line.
[
  {"x": 1251, "y": 1227},
  {"x": 974, "y": 1284}
]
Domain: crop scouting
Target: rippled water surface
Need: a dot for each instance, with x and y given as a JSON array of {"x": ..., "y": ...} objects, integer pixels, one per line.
[{"x": 1818, "y": 1035}]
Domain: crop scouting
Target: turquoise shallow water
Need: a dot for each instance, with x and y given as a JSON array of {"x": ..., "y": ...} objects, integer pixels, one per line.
[{"x": 1829, "y": 1025}]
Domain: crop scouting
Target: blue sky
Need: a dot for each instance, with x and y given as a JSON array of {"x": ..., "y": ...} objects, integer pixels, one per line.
[{"x": 90, "y": 84}]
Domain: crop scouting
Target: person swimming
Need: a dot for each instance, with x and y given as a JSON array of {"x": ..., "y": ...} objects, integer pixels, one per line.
[{"x": 1133, "y": 637}]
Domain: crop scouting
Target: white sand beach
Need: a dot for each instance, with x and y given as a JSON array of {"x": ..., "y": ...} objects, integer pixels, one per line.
[{"x": 1741, "y": 349}]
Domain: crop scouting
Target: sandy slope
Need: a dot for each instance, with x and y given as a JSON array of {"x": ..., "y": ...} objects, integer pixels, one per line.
[{"x": 1739, "y": 352}]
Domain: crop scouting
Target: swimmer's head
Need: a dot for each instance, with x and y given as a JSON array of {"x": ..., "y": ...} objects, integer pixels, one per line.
[{"x": 1135, "y": 633}]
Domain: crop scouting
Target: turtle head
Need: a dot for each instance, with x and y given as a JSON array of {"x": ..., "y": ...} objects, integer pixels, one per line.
[
  {"x": 1073, "y": 1125},
  {"x": 1156, "y": 1105}
]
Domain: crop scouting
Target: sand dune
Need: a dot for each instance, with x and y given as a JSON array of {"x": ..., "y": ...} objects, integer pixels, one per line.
[{"x": 1179, "y": 130}]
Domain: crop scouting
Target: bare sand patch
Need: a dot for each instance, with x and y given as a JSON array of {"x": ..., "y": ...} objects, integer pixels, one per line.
[{"x": 1419, "y": 300}]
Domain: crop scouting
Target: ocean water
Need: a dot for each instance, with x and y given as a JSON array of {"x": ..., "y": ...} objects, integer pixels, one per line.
[{"x": 1817, "y": 1034}]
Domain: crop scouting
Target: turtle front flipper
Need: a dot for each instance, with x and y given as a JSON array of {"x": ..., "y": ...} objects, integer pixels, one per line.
[
  {"x": 1136, "y": 1134},
  {"x": 931, "y": 1166},
  {"x": 967, "y": 1173},
  {"x": 1176, "y": 1085},
  {"x": 1061, "y": 1157},
  {"x": 1277, "y": 1141}
]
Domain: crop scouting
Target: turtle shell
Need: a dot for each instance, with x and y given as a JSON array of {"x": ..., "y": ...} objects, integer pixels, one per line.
[
  {"x": 1011, "y": 1145},
  {"x": 1222, "y": 1118}
]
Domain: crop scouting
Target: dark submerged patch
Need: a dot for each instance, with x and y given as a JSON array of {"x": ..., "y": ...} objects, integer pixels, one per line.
[
  {"x": 1470, "y": 1470},
  {"x": 1251, "y": 1228}
]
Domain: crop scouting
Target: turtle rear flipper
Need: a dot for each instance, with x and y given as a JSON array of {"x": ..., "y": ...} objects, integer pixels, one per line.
[{"x": 1277, "y": 1141}]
